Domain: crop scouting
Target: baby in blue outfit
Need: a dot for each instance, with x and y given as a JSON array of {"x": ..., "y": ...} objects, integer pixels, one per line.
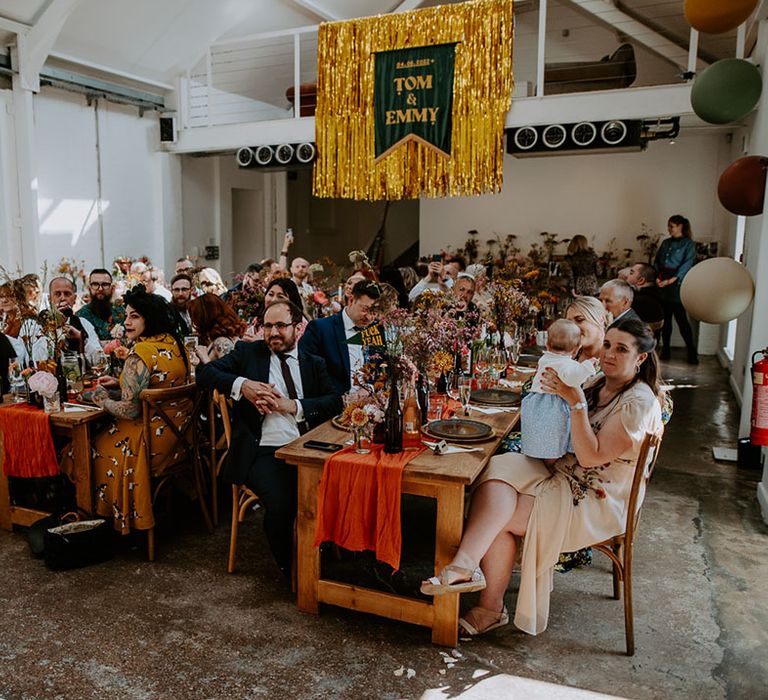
[{"x": 545, "y": 419}]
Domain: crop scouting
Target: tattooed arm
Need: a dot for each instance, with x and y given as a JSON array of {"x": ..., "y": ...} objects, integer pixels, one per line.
[{"x": 134, "y": 380}]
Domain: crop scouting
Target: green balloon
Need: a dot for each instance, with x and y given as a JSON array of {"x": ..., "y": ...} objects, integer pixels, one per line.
[{"x": 726, "y": 91}]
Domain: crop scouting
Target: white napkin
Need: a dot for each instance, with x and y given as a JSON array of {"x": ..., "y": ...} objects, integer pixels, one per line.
[
  {"x": 443, "y": 448},
  {"x": 490, "y": 411}
]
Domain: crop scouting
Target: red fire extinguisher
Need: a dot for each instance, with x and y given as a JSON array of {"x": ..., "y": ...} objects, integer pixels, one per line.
[{"x": 758, "y": 434}]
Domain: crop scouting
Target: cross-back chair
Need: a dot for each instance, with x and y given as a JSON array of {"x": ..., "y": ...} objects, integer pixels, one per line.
[
  {"x": 620, "y": 548},
  {"x": 157, "y": 404},
  {"x": 242, "y": 497}
]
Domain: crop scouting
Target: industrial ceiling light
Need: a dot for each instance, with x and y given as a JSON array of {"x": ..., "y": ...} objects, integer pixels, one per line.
[
  {"x": 244, "y": 157},
  {"x": 284, "y": 153},
  {"x": 554, "y": 136},
  {"x": 305, "y": 152},
  {"x": 583, "y": 133},
  {"x": 526, "y": 137},
  {"x": 263, "y": 155},
  {"x": 613, "y": 132}
]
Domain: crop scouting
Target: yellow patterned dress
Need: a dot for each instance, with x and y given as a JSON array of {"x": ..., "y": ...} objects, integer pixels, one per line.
[{"x": 121, "y": 474}]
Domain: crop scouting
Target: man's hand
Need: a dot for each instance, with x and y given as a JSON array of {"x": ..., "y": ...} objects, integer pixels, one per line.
[
  {"x": 262, "y": 396},
  {"x": 71, "y": 332},
  {"x": 435, "y": 270}
]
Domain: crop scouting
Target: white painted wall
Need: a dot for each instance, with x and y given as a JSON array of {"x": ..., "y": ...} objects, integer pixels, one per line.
[
  {"x": 601, "y": 196},
  {"x": 83, "y": 151}
]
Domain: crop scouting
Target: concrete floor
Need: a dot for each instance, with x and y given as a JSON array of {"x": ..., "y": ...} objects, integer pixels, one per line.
[{"x": 183, "y": 628}]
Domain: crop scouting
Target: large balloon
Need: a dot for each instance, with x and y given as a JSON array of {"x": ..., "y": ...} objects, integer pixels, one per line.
[
  {"x": 726, "y": 91},
  {"x": 717, "y": 290},
  {"x": 717, "y": 16},
  {"x": 741, "y": 188}
]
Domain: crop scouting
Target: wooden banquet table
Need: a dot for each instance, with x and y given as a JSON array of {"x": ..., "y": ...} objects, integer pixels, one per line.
[
  {"x": 443, "y": 478},
  {"x": 77, "y": 426}
]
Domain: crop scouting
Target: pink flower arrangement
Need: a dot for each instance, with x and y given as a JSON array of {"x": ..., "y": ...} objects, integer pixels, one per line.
[{"x": 43, "y": 383}]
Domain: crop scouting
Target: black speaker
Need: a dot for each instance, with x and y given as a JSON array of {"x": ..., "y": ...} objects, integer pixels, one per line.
[
  {"x": 167, "y": 129},
  {"x": 582, "y": 137}
]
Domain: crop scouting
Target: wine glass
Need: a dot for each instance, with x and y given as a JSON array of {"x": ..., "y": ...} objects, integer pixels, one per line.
[
  {"x": 190, "y": 345},
  {"x": 465, "y": 390},
  {"x": 99, "y": 363},
  {"x": 482, "y": 362},
  {"x": 498, "y": 363}
]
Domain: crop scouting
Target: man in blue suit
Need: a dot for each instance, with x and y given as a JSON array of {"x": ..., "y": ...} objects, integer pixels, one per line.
[
  {"x": 327, "y": 337},
  {"x": 279, "y": 392}
]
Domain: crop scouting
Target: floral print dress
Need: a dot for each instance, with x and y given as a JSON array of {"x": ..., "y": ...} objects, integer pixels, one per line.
[
  {"x": 121, "y": 474},
  {"x": 574, "y": 507}
]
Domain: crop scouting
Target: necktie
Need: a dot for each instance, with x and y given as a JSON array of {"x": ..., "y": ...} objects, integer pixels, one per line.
[{"x": 289, "y": 384}]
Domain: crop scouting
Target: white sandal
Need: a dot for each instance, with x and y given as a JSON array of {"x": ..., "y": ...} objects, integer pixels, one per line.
[
  {"x": 501, "y": 619},
  {"x": 466, "y": 580}
]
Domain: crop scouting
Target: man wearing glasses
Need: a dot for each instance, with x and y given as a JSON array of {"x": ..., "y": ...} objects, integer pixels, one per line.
[
  {"x": 279, "y": 392},
  {"x": 327, "y": 337},
  {"x": 181, "y": 291},
  {"x": 100, "y": 311}
]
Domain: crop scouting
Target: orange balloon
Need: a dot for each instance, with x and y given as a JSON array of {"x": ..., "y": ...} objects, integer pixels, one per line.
[
  {"x": 717, "y": 16},
  {"x": 741, "y": 189}
]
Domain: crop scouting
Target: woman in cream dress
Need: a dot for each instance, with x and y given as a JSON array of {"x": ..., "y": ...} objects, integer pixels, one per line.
[{"x": 582, "y": 500}]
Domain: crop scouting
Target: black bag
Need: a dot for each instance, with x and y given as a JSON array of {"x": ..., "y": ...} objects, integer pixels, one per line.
[{"x": 77, "y": 544}]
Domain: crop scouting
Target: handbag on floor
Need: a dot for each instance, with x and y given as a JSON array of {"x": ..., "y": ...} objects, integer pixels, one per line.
[{"x": 70, "y": 545}]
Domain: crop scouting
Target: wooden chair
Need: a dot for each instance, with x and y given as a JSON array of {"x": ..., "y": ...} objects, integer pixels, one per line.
[
  {"x": 242, "y": 497},
  {"x": 620, "y": 548},
  {"x": 155, "y": 404}
]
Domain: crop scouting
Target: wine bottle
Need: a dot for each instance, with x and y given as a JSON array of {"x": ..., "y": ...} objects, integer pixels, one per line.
[
  {"x": 411, "y": 420},
  {"x": 393, "y": 421}
]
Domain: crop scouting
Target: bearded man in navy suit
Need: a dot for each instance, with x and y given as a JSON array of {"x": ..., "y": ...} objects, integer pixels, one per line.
[
  {"x": 279, "y": 393},
  {"x": 327, "y": 337}
]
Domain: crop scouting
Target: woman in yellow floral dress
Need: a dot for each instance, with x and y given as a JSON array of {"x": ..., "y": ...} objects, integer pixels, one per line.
[{"x": 121, "y": 474}]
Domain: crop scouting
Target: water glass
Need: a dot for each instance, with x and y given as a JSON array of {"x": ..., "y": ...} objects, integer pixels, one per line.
[
  {"x": 52, "y": 404},
  {"x": 18, "y": 389},
  {"x": 465, "y": 390},
  {"x": 363, "y": 438},
  {"x": 99, "y": 363},
  {"x": 190, "y": 344}
]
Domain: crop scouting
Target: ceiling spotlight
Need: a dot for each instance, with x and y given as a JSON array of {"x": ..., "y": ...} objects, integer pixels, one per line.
[
  {"x": 263, "y": 155},
  {"x": 305, "y": 152},
  {"x": 284, "y": 153},
  {"x": 244, "y": 157}
]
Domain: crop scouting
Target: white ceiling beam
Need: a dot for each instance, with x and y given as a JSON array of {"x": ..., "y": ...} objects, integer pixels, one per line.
[
  {"x": 318, "y": 10},
  {"x": 606, "y": 13},
  {"x": 11, "y": 25},
  {"x": 32, "y": 48},
  {"x": 408, "y": 5}
]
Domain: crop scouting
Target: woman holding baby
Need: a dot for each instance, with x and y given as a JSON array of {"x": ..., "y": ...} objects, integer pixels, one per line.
[{"x": 577, "y": 501}]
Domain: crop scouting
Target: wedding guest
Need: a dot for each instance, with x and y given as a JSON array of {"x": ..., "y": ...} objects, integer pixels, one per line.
[
  {"x": 464, "y": 291},
  {"x": 647, "y": 300},
  {"x": 392, "y": 277},
  {"x": 674, "y": 258},
  {"x": 582, "y": 261},
  {"x": 217, "y": 326},
  {"x": 453, "y": 265},
  {"x": 184, "y": 265},
  {"x": 79, "y": 333},
  {"x": 100, "y": 311},
  {"x": 327, "y": 337},
  {"x": 181, "y": 290},
  {"x": 33, "y": 290},
  {"x": 279, "y": 391},
  {"x": 150, "y": 278},
  {"x": 158, "y": 360},
  {"x": 437, "y": 279},
  {"x": 300, "y": 276},
  {"x": 617, "y": 297},
  {"x": 251, "y": 284},
  {"x": 520, "y": 503},
  {"x": 18, "y": 322},
  {"x": 210, "y": 281},
  {"x": 590, "y": 316}
]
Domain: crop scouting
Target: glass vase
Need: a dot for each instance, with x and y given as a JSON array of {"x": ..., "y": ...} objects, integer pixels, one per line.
[
  {"x": 52, "y": 404},
  {"x": 362, "y": 434}
]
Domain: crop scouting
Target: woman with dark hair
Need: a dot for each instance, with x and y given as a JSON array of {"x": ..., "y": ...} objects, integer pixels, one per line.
[
  {"x": 393, "y": 277},
  {"x": 674, "y": 258},
  {"x": 121, "y": 473},
  {"x": 580, "y": 501},
  {"x": 217, "y": 325}
]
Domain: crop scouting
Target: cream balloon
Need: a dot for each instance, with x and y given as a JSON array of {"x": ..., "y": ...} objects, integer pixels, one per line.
[{"x": 717, "y": 290}]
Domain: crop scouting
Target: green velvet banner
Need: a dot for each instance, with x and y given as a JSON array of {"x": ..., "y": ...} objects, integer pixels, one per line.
[{"x": 413, "y": 97}]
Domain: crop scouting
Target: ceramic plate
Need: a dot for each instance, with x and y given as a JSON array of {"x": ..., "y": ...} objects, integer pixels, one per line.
[
  {"x": 459, "y": 430},
  {"x": 495, "y": 397}
]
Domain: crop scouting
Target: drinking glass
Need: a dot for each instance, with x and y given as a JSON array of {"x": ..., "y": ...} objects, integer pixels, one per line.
[
  {"x": 465, "y": 390},
  {"x": 498, "y": 363},
  {"x": 99, "y": 363},
  {"x": 190, "y": 344},
  {"x": 452, "y": 385},
  {"x": 482, "y": 363},
  {"x": 73, "y": 372}
]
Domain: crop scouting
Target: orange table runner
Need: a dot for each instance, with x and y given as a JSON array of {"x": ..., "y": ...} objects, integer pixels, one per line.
[
  {"x": 358, "y": 502},
  {"x": 27, "y": 442}
]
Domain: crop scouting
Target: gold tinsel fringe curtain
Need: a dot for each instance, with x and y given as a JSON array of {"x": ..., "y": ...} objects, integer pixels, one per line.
[{"x": 482, "y": 90}]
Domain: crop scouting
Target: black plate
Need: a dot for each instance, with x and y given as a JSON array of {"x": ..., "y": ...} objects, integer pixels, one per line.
[
  {"x": 528, "y": 360},
  {"x": 459, "y": 429},
  {"x": 495, "y": 397}
]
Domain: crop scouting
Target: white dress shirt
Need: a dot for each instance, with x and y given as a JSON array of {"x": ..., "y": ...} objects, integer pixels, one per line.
[
  {"x": 278, "y": 429},
  {"x": 424, "y": 284},
  {"x": 356, "y": 358}
]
